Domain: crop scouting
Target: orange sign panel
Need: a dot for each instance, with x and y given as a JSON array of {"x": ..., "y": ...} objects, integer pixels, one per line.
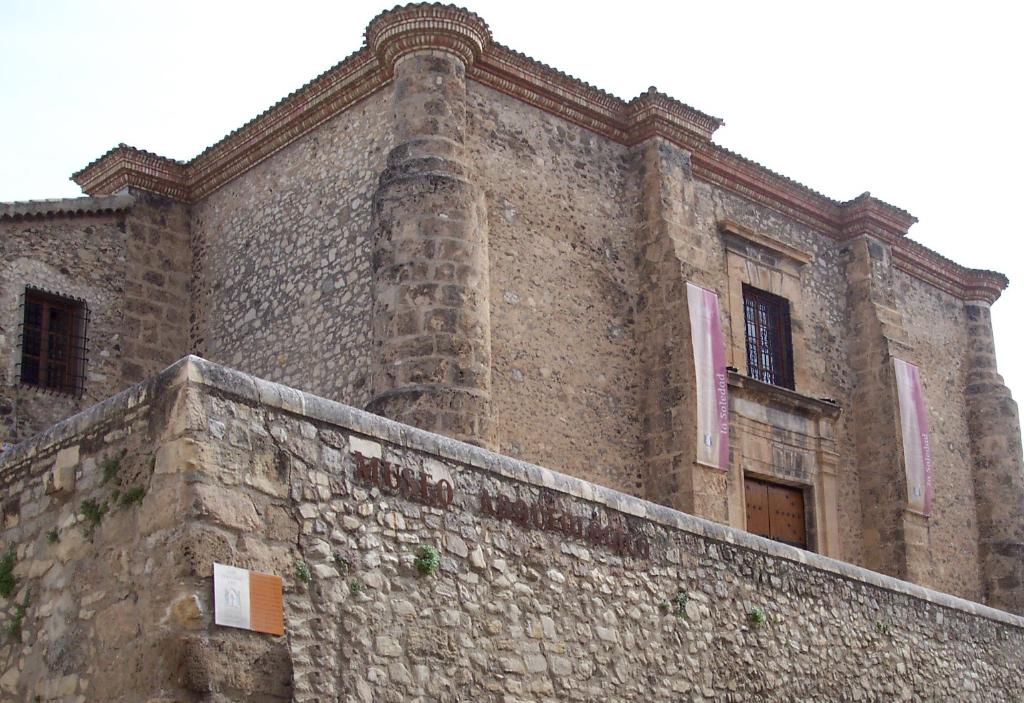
[{"x": 266, "y": 603}]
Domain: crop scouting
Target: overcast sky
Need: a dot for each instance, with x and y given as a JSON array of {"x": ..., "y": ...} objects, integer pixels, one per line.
[{"x": 919, "y": 103}]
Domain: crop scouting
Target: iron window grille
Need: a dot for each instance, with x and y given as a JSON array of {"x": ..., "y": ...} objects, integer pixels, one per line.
[
  {"x": 53, "y": 342},
  {"x": 769, "y": 337}
]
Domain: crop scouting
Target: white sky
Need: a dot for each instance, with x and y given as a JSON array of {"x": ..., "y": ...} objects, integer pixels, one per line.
[{"x": 919, "y": 103}]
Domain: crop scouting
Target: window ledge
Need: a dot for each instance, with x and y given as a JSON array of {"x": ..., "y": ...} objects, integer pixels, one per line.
[{"x": 777, "y": 395}]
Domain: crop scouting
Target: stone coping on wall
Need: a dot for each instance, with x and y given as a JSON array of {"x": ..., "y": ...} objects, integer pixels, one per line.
[{"x": 243, "y": 387}]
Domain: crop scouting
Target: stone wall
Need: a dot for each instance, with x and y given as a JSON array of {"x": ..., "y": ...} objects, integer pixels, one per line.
[
  {"x": 548, "y": 587},
  {"x": 561, "y": 214},
  {"x": 128, "y": 260},
  {"x": 936, "y": 324},
  {"x": 283, "y": 277},
  {"x": 101, "y": 589}
]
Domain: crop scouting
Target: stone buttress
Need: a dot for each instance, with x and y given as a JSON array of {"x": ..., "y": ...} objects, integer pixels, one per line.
[
  {"x": 994, "y": 425},
  {"x": 670, "y": 252},
  {"x": 895, "y": 537},
  {"x": 431, "y": 318}
]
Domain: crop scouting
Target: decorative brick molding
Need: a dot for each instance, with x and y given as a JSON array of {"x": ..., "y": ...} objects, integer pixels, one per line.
[
  {"x": 125, "y": 166},
  {"x": 394, "y": 33},
  {"x": 464, "y": 34}
]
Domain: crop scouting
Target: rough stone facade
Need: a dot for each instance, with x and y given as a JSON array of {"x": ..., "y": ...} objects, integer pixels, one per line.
[
  {"x": 128, "y": 259},
  {"x": 449, "y": 234},
  {"x": 548, "y": 587}
]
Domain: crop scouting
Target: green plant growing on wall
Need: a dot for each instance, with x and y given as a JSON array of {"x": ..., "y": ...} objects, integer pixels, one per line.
[
  {"x": 135, "y": 494},
  {"x": 341, "y": 563},
  {"x": 93, "y": 513},
  {"x": 13, "y": 626},
  {"x": 883, "y": 628},
  {"x": 428, "y": 560},
  {"x": 302, "y": 571},
  {"x": 7, "y": 580},
  {"x": 112, "y": 465},
  {"x": 355, "y": 587},
  {"x": 679, "y": 604},
  {"x": 664, "y": 606},
  {"x": 52, "y": 537},
  {"x": 756, "y": 617}
]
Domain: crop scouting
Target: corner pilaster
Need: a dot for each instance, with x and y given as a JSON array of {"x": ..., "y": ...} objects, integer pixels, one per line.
[
  {"x": 670, "y": 254},
  {"x": 895, "y": 537}
]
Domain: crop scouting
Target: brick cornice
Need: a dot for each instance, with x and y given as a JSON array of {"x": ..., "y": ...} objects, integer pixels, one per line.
[
  {"x": 427, "y": 26},
  {"x": 650, "y": 115},
  {"x": 125, "y": 166}
]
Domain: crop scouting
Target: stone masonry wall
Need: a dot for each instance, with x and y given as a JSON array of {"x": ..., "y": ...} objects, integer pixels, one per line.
[
  {"x": 548, "y": 587},
  {"x": 953, "y": 529},
  {"x": 561, "y": 216},
  {"x": 99, "y": 587},
  {"x": 283, "y": 275},
  {"x": 131, "y": 268}
]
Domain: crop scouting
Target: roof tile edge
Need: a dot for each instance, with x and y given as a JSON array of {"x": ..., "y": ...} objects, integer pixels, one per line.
[
  {"x": 651, "y": 114},
  {"x": 66, "y": 207}
]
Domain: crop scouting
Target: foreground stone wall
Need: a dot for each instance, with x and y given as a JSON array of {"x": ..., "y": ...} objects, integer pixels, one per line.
[
  {"x": 99, "y": 588},
  {"x": 548, "y": 587}
]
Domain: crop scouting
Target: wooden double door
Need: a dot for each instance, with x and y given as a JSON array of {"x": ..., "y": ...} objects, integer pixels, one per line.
[{"x": 776, "y": 511}]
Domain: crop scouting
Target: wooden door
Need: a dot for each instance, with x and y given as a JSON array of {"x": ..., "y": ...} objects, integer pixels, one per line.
[{"x": 776, "y": 511}]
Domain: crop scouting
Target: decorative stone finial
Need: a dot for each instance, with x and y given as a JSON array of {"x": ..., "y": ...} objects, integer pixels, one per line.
[{"x": 424, "y": 26}]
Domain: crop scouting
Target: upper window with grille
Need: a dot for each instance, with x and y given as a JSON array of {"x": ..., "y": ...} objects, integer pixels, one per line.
[
  {"x": 53, "y": 342},
  {"x": 769, "y": 338}
]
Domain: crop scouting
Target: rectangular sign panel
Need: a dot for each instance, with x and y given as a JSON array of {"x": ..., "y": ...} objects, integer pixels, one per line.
[
  {"x": 712, "y": 379},
  {"x": 917, "y": 450},
  {"x": 248, "y": 600}
]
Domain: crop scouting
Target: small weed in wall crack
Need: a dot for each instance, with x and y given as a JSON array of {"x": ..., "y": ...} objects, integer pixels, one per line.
[
  {"x": 7, "y": 580},
  {"x": 52, "y": 537},
  {"x": 13, "y": 626},
  {"x": 112, "y": 465},
  {"x": 302, "y": 571},
  {"x": 93, "y": 513},
  {"x": 428, "y": 560},
  {"x": 355, "y": 587},
  {"x": 342, "y": 564},
  {"x": 677, "y": 605},
  {"x": 756, "y": 617},
  {"x": 135, "y": 494}
]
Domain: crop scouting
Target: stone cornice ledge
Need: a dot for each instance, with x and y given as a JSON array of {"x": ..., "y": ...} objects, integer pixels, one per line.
[
  {"x": 246, "y": 388},
  {"x": 777, "y": 395},
  {"x": 455, "y": 30}
]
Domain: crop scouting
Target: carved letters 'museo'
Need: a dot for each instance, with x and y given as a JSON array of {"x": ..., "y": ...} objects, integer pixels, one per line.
[
  {"x": 546, "y": 515},
  {"x": 411, "y": 485}
]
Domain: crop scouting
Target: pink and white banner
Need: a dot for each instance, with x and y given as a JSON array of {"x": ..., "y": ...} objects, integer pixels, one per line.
[
  {"x": 917, "y": 449},
  {"x": 712, "y": 379}
]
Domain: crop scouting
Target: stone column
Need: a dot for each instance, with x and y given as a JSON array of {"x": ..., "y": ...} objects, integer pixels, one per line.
[
  {"x": 895, "y": 538},
  {"x": 994, "y": 425},
  {"x": 431, "y": 316}
]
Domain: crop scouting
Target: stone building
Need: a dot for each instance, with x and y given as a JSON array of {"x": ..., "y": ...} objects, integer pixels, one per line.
[{"x": 450, "y": 234}]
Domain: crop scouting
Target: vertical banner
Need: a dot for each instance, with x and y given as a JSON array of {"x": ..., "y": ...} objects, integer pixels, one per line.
[
  {"x": 917, "y": 449},
  {"x": 712, "y": 380}
]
